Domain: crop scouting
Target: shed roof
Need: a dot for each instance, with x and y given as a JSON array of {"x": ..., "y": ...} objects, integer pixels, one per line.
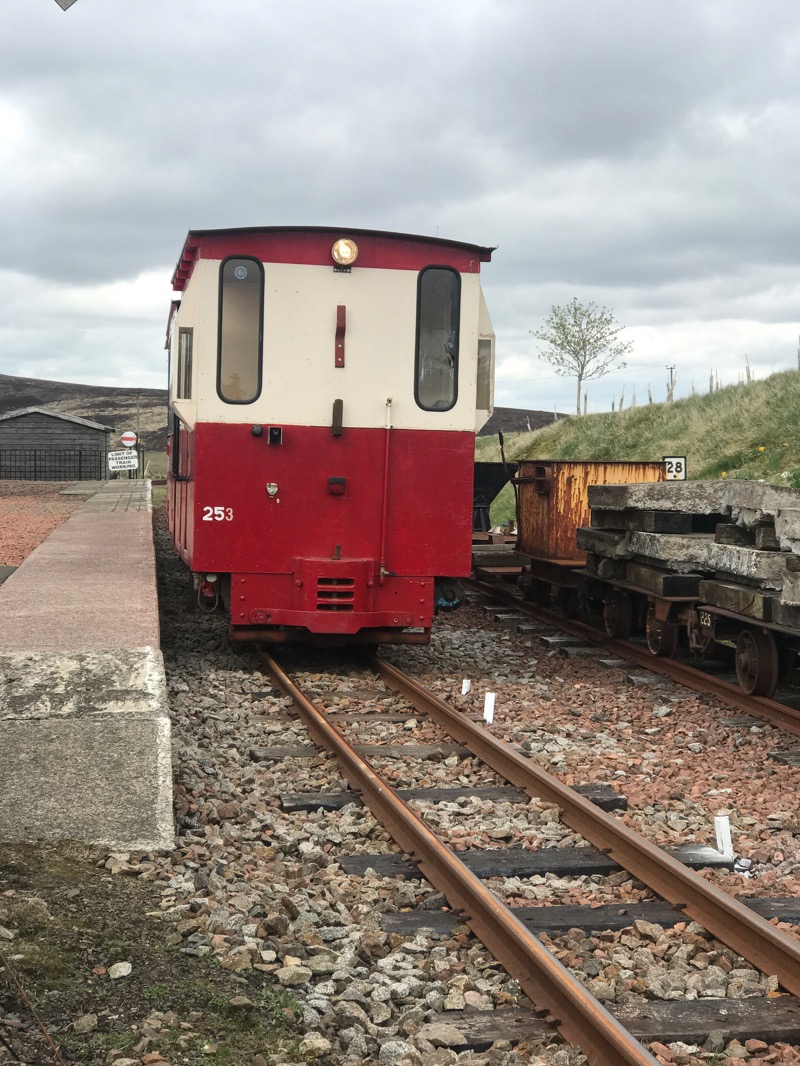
[{"x": 55, "y": 414}]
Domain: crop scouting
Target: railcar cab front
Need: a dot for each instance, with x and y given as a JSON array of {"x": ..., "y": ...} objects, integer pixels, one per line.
[{"x": 325, "y": 390}]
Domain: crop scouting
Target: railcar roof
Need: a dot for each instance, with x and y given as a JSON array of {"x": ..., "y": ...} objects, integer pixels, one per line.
[{"x": 188, "y": 255}]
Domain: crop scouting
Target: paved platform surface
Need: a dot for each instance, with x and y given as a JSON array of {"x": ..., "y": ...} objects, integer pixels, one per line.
[
  {"x": 84, "y": 728},
  {"x": 91, "y": 584}
]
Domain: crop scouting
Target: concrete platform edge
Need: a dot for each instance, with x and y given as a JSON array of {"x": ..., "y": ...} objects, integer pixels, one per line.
[{"x": 85, "y": 749}]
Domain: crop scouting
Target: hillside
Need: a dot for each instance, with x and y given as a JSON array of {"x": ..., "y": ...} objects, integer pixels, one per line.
[
  {"x": 126, "y": 408},
  {"x": 749, "y": 431},
  {"x": 517, "y": 420},
  {"x": 121, "y": 408}
]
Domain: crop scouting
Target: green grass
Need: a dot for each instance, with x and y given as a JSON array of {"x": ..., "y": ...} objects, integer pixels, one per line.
[
  {"x": 155, "y": 463},
  {"x": 751, "y": 432}
]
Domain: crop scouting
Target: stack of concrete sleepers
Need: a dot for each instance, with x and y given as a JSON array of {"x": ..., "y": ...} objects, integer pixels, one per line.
[{"x": 734, "y": 545}]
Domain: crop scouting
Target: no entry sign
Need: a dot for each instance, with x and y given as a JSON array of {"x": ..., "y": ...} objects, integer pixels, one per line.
[{"x": 128, "y": 438}]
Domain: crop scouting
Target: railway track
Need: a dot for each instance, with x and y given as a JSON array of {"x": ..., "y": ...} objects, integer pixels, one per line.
[
  {"x": 606, "y": 1037},
  {"x": 770, "y": 710}
]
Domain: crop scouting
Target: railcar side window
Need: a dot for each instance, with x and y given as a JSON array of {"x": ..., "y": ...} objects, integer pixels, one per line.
[
  {"x": 173, "y": 435},
  {"x": 438, "y": 316},
  {"x": 184, "y": 389},
  {"x": 483, "y": 391},
  {"x": 241, "y": 312}
]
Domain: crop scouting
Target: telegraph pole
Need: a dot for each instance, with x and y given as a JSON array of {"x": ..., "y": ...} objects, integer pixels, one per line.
[
  {"x": 671, "y": 386},
  {"x": 139, "y": 454}
]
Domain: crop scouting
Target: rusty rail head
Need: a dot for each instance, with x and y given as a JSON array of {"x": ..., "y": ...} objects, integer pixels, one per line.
[
  {"x": 578, "y": 1016},
  {"x": 753, "y": 937}
]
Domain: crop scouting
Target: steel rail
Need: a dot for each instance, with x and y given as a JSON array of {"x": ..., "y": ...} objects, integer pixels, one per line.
[
  {"x": 770, "y": 710},
  {"x": 578, "y": 1016},
  {"x": 769, "y": 949}
]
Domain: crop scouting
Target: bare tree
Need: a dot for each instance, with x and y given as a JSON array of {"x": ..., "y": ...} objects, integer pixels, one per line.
[{"x": 582, "y": 342}]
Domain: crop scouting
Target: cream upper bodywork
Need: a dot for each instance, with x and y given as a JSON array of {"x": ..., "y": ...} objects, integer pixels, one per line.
[{"x": 300, "y": 380}]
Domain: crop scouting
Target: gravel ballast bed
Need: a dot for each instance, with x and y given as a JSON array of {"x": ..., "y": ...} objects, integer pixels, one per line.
[{"x": 260, "y": 888}]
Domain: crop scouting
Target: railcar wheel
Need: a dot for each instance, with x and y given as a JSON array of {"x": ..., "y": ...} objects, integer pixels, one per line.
[
  {"x": 364, "y": 651},
  {"x": 757, "y": 662},
  {"x": 662, "y": 637},
  {"x": 189, "y": 596},
  {"x": 618, "y": 614}
]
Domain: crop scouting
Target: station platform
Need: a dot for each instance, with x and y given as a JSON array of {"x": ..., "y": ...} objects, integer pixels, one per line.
[{"x": 84, "y": 725}]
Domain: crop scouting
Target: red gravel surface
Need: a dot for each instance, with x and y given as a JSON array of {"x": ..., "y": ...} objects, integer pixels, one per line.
[{"x": 29, "y": 512}]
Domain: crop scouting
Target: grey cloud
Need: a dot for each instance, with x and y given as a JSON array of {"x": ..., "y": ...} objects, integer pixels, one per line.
[{"x": 643, "y": 155}]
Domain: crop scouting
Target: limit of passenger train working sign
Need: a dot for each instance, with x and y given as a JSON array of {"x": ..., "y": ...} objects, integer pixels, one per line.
[{"x": 123, "y": 461}]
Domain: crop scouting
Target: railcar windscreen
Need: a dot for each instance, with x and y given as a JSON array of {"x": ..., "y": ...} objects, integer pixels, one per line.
[
  {"x": 240, "y": 329},
  {"x": 438, "y": 315}
]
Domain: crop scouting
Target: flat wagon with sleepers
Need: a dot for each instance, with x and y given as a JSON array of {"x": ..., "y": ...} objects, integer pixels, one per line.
[
  {"x": 711, "y": 565},
  {"x": 707, "y": 567}
]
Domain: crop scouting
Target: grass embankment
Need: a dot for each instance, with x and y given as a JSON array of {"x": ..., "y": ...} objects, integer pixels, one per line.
[{"x": 749, "y": 431}]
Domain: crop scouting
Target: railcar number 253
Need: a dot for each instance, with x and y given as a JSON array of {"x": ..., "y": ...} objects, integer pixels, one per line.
[{"x": 217, "y": 514}]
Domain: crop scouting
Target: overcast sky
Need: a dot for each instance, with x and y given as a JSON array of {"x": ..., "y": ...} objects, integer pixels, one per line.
[{"x": 644, "y": 156}]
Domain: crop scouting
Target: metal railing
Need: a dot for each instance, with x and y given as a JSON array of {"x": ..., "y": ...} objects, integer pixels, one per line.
[{"x": 51, "y": 464}]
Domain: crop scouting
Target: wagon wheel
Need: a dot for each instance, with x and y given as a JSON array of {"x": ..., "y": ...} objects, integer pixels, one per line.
[
  {"x": 757, "y": 662},
  {"x": 662, "y": 637},
  {"x": 537, "y": 592},
  {"x": 618, "y": 614},
  {"x": 584, "y": 608}
]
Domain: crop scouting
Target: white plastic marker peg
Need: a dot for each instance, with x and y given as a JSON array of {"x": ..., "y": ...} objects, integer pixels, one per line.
[
  {"x": 466, "y": 685},
  {"x": 722, "y": 825},
  {"x": 488, "y": 708}
]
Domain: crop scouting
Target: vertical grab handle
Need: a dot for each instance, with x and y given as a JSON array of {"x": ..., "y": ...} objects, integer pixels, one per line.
[{"x": 341, "y": 323}]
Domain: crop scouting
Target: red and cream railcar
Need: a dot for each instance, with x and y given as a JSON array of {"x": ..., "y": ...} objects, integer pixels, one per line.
[{"x": 325, "y": 390}]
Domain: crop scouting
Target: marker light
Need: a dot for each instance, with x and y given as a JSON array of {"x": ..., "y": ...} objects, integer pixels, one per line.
[{"x": 344, "y": 252}]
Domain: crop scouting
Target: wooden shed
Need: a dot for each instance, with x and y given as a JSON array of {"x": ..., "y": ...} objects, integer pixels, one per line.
[{"x": 41, "y": 445}]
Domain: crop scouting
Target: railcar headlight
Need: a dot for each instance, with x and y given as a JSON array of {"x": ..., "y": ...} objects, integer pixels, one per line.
[{"x": 344, "y": 252}]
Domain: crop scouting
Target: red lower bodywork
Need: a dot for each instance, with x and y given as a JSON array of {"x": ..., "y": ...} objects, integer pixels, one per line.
[{"x": 338, "y": 537}]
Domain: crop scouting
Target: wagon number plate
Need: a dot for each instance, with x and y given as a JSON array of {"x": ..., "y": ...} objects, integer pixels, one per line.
[
  {"x": 675, "y": 467},
  {"x": 706, "y": 620}
]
